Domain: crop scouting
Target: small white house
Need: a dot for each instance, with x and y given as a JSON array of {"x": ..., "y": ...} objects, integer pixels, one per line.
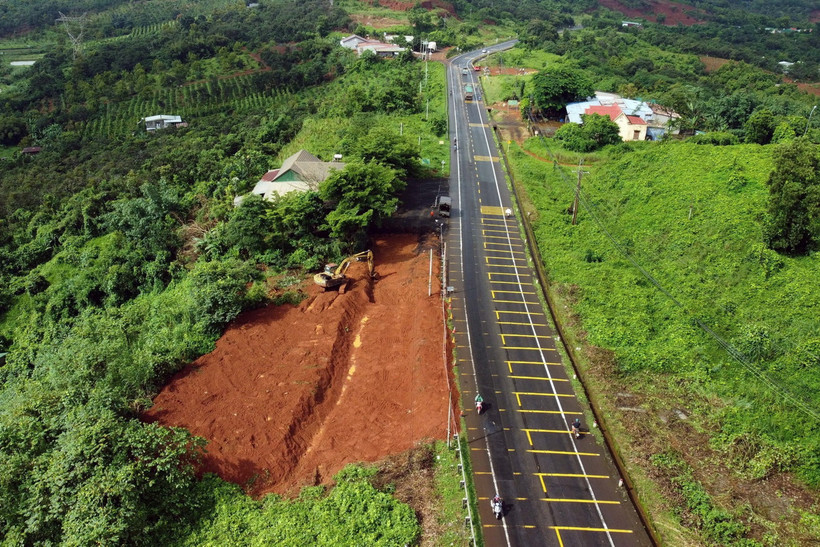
[{"x": 162, "y": 121}]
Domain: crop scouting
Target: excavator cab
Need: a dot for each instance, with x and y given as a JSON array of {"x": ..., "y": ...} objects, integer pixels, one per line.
[{"x": 334, "y": 275}]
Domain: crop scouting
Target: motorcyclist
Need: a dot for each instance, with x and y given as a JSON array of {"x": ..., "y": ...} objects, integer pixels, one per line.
[
  {"x": 576, "y": 428},
  {"x": 479, "y": 402},
  {"x": 497, "y": 505}
]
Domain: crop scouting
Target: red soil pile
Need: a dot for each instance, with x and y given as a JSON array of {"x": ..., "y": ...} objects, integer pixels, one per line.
[{"x": 292, "y": 394}]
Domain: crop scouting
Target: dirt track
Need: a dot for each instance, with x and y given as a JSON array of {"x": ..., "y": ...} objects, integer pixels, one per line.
[{"x": 292, "y": 394}]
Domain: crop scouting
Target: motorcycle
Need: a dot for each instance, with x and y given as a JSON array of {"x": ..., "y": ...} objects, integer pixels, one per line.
[
  {"x": 497, "y": 505},
  {"x": 576, "y": 429},
  {"x": 479, "y": 403}
]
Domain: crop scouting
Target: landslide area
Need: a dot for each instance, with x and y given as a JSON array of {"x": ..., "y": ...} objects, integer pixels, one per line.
[{"x": 291, "y": 394}]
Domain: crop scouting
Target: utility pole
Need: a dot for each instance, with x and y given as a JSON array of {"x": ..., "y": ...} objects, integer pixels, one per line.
[{"x": 577, "y": 192}]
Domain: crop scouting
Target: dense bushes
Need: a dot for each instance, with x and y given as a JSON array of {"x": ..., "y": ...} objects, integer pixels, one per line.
[{"x": 595, "y": 132}]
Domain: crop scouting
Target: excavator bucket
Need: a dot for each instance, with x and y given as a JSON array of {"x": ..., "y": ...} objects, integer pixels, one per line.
[{"x": 343, "y": 286}]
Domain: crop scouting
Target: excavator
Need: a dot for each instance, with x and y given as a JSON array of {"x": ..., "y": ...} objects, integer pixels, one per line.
[{"x": 334, "y": 275}]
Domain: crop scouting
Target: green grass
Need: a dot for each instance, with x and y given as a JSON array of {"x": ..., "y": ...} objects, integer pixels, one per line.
[
  {"x": 448, "y": 487},
  {"x": 691, "y": 217},
  {"x": 522, "y": 58}
]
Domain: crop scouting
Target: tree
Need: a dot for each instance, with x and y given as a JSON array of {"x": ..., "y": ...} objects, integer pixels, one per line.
[
  {"x": 385, "y": 146},
  {"x": 793, "y": 223},
  {"x": 596, "y": 132},
  {"x": 363, "y": 193},
  {"x": 760, "y": 127},
  {"x": 600, "y": 129},
  {"x": 555, "y": 87},
  {"x": 248, "y": 228}
]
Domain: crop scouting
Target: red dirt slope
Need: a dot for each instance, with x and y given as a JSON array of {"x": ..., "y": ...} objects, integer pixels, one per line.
[{"x": 292, "y": 394}]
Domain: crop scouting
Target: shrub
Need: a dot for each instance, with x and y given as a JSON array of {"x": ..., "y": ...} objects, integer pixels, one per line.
[{"x": 716, "y": 138}]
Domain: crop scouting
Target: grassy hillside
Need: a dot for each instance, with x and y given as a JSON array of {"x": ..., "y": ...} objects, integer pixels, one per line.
[{"x": 666, "y": 270}]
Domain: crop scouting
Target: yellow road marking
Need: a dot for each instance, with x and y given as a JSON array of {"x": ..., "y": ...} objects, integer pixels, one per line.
[
  {"x": 510, "y": 244},
  {"x": 515, "y": 292},
  {"x": 538, "y": 394},
  {"x": 521, "y": 347},
  {"x": 567, "y": 500},
  {"x": 531, "y": 363},
  {"x": 508, "y": 273},
  {"x": 585, "y": 529},
  {"x": 564, "y": 452},
  {"x": 485, "y": 158},
  {"x": 518, "y": 396},
  {"x": 509, "y": 366},
  {"x": 522, "y": 324},
  {"x": 538, "y": 378},
  {"x": 525, "y": 411},
  {"x": 577, "y": 475},
  {"x": 505, "y": 238},
  {"x": 491, "y": 209},
  {"x": 538, "y": 336},
  {"x": 478, "y": 125}
]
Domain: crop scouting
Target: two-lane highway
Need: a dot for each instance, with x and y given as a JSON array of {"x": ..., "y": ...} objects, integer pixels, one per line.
[{"x": 558, "y": 490}]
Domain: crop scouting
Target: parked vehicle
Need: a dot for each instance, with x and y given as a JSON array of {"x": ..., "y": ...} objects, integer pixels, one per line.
[{"x": 443, "y": 206}]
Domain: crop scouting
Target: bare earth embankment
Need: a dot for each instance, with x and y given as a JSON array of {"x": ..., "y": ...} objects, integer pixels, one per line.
[{"x": 292, "y": 394}]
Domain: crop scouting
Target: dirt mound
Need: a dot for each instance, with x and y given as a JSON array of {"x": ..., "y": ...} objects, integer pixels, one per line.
[{"x": 292, "y": 394}]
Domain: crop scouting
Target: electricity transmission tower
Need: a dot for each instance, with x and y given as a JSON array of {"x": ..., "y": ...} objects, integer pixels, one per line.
[{"x": 74, "y": 27}]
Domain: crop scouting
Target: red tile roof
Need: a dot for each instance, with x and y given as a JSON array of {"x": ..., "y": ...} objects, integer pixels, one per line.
[
  {"x": 636, "y": 120},
  {"x": 613, "y": 111},
  {"x": 270, "y": 175}
]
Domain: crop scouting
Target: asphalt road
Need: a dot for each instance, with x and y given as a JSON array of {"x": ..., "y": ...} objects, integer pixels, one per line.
[{"x": 557, "y": 490}]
